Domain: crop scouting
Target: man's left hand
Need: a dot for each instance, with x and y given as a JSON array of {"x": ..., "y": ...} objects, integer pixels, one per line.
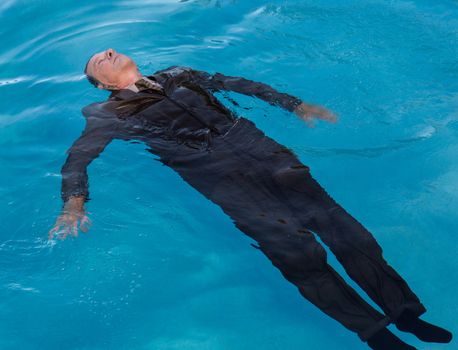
[{"x": 308, "y": 113}]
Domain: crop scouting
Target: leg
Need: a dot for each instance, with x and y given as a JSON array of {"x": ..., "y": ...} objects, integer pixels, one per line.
[
  {"x": 354, "y": 246},
  {"x": 302, "y": 260},
  {"x": 238, "y": 184}
]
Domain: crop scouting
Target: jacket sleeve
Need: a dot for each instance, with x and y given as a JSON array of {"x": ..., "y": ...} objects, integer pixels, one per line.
[
  {"x": 84, "y": 150},
  {"x": 244, "y": 86}
]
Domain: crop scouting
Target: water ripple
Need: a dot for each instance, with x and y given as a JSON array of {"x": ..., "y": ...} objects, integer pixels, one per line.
[
  {"x": 26, "y": 114},
  {"x": 368, "y": 152},
  {"x": 26, "y": 247},
  {"x": 38, "y": 44},
  {"x": 18, "y": 286},
  {"x": 59, "y": 79},
  {"x": 6, "y": 4},
  {"x": 12, "y": 81}
]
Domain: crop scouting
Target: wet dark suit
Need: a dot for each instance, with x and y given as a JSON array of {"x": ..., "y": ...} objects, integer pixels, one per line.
[{"x": 260, "y": 184}]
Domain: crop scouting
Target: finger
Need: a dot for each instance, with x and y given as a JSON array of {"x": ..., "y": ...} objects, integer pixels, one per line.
[
  {"x": 67, "y": 229},
  {"x": 309, "y": 121},
  {"x": 332, "y": 118},
  {"x": 53, "y": 231},
  {"x": 74, "y": 230},
  {"x": 63, "y": 234},
  {"x": 326, "y": 115},
  {"x": 85, "y": 224}
]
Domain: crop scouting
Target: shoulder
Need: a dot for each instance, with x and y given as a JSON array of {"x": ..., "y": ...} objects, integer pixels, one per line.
[
  {"x": 100, "y": 110},
  {"x": 181, "y": 74},
  {"x": 173, "y": 71}
]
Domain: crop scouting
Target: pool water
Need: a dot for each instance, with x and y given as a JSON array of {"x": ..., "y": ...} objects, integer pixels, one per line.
[{"x": 164, "y": 268}]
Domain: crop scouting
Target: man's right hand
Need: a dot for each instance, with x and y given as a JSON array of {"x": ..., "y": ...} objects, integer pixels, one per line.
[{"x": 73, "y": 215}]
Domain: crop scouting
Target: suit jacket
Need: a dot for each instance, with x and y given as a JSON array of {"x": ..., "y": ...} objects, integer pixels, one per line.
[{"x": 185, "y": 112}]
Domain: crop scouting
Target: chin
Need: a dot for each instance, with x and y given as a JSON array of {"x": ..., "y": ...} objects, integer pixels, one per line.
[{"x": 127, "y": 65}]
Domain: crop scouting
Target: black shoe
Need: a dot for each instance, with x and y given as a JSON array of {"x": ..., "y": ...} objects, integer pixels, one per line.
[
  {"x": 385, "y": 340},
  {"x": 424, "y": 331}
]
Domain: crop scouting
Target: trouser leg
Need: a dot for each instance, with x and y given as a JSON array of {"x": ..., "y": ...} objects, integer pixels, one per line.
[
  {"x": 353, "y": 245},
  {"x": 302, "y": 260},
  {"x": 245, "y": 192}
]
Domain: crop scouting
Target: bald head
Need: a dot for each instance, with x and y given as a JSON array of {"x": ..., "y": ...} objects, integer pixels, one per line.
[{"x": 111, "y": 70}]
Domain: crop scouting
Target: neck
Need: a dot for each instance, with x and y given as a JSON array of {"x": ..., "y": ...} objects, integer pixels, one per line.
[{"x": 130, "y": 79}]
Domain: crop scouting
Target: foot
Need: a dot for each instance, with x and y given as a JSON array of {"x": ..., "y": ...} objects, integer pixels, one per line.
[
  {"x": 424, "y": 331},
  {"x": 385, "y": 340}
]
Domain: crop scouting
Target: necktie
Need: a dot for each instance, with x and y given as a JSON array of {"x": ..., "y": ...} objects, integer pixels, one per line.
[{"x": 144, "y": 84}]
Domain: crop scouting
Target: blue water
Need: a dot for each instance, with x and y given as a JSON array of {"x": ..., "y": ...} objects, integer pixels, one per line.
[{"x": 162, "y": 267}]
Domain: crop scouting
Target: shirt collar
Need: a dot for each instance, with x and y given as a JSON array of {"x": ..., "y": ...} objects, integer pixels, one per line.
[
  {"x": 144, "y": 83},
  {"x": 132, "y": 87}
]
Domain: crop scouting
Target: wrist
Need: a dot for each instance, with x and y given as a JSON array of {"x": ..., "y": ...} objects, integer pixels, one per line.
[
  {"x": 300, "y": 109},
  {"x": 74, "y": 204}
]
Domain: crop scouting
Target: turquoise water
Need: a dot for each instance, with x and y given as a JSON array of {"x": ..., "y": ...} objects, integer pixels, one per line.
[{"x": 162, "y": 267}]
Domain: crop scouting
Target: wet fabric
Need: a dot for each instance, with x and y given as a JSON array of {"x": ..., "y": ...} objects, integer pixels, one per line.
[
  {"x": 143, "y": 84},
  {"x": 269, "y": 194}
]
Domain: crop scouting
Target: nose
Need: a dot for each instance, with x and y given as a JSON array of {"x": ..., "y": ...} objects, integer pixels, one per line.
[{"x": 110, "y": 53}]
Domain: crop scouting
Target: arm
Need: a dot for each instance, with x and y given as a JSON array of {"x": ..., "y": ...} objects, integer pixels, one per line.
[
  {"x": 264, "y": 92},
  {"x": 84, "y": 150},
  {"x": 89, "y": 145}
]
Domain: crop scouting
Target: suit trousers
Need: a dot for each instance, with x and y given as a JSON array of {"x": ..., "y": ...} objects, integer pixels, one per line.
[{"x": 271, "y": 197}]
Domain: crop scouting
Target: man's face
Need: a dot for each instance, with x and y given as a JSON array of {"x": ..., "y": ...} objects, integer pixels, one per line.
[{"x": 112, "y": 68}]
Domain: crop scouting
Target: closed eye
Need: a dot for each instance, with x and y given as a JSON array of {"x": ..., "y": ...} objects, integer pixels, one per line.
[{"x": 97, "y": 64}]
